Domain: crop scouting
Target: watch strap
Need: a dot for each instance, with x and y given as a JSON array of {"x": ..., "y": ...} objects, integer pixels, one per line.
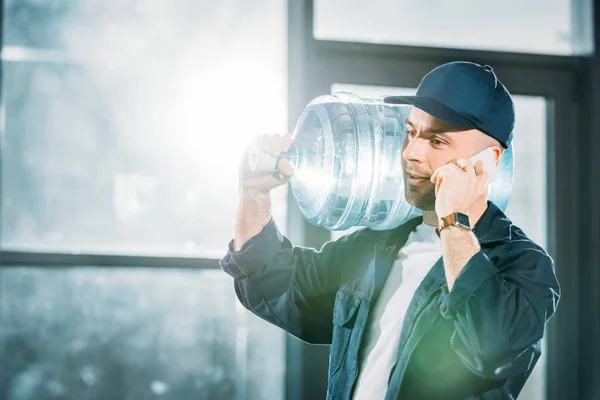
[{"x": 454, "y": 219}]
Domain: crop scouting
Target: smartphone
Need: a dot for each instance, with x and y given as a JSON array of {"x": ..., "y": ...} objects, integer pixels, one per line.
[{"x": 489, "y": 162}]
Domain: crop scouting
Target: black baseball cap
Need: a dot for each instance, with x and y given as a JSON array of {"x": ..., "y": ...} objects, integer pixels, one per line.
[{"x": 467, "y": 95}]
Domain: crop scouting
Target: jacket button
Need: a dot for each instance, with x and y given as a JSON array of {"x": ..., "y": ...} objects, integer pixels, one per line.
[{"x": 389, "y": 248}]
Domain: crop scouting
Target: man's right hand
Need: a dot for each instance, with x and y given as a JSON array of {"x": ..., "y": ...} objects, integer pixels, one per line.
[
  {"x": 254, "y": 209},
  {"x": 257, "y": 185}
]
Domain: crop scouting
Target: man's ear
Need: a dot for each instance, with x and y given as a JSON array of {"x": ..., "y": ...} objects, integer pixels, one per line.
[{"x": 498, "y": 151}]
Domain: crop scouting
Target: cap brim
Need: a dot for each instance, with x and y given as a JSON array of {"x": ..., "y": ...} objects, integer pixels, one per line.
[{"x": 434, "y": 108}]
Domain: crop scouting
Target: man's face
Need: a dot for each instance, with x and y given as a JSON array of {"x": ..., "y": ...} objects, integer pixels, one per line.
[{"x": 431, "y": 143}]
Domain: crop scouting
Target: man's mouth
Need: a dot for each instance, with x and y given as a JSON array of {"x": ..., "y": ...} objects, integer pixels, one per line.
[
  {"x": 414, "y": 179},
  {"x": 416, "y": 176}
]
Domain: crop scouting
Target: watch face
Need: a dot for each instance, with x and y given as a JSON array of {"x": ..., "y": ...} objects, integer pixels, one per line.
[{"x": 462, "y": 219}]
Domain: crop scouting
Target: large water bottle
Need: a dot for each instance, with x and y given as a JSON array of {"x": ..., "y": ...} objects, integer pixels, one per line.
[{"x": 348, "y": 172}]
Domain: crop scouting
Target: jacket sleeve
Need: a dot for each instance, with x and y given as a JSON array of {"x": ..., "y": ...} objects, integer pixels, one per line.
[
  {"x": 291, "y": 287},
  {"x": 499, "y": 306}
]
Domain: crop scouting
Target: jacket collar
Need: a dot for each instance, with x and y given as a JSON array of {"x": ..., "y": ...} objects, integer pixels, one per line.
[{"x": 493, "y": 227}]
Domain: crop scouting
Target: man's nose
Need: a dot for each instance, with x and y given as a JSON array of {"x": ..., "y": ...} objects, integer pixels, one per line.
[{"x": 414, "y": 150}]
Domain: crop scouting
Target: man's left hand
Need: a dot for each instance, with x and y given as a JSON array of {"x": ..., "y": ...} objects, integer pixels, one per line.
[{"x": 458, "y": 186}]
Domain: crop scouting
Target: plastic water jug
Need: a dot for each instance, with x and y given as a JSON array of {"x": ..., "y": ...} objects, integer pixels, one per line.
[{"x": 347, "y": 156}]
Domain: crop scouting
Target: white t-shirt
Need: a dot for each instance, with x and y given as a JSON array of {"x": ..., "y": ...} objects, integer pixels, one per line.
[{"x": 381, "y": 339}]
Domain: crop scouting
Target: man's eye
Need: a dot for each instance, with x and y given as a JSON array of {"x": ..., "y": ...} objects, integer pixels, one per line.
[
  {"x": 410, "y": 134},
  {"x": 437, "y": 142}
]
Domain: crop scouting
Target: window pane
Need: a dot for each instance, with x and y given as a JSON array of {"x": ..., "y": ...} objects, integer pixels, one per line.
[
  {"x": 52, "y": 24},
  {"x": 34, "y": 23},
  {"x": 133, "y": 147},
  {"x": 528, "y": 206},
  {"x": 132, "y": 333},
  {"x": 471, "y": 24},
  {"x": 528, "y": 203}
]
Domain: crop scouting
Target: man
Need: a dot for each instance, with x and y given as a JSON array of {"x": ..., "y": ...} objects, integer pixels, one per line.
[{"x": 448, "y": 306}]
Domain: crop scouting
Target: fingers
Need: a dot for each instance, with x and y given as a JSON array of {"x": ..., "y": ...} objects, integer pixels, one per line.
[
  {"x": 459, "y": 166},
  {"x": 261, "y": 180},
  {"x": 442, "y": 170},
  {"x": 438, "y": 184},
  {"x": 483, "y": 178},
  {"x": 286, "y": 142},
  {"x": 465, "y": 164},
  {"x": 285, "y": 168},
  {"x": 437, "y": 173},
  {"x": 479, "y": 168},
  {"x": 265, "y": 183},
  {"x": 462, "y": 164},
  {"x": 438, "y": 177},
  {"x": 274, "y": 145},
  {"x": 263, "y": 141}
]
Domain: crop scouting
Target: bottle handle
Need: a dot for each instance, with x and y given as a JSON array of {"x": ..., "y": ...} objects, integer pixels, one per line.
[{"x": 259, "y": 161}]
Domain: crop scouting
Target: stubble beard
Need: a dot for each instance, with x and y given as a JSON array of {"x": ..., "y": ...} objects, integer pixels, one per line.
[{"x": 421, "y": 196}]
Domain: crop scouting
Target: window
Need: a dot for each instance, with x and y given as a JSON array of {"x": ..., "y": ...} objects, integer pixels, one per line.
[
  {"x": 534, "y": 26},
  {"x": 122, "y": 128},
  {"x": 132, "y": 333},
  {"x": 124, "y": 124}
]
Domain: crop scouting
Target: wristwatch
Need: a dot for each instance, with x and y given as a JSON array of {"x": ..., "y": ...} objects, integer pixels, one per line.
[{"x": 455, "y": 219}]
